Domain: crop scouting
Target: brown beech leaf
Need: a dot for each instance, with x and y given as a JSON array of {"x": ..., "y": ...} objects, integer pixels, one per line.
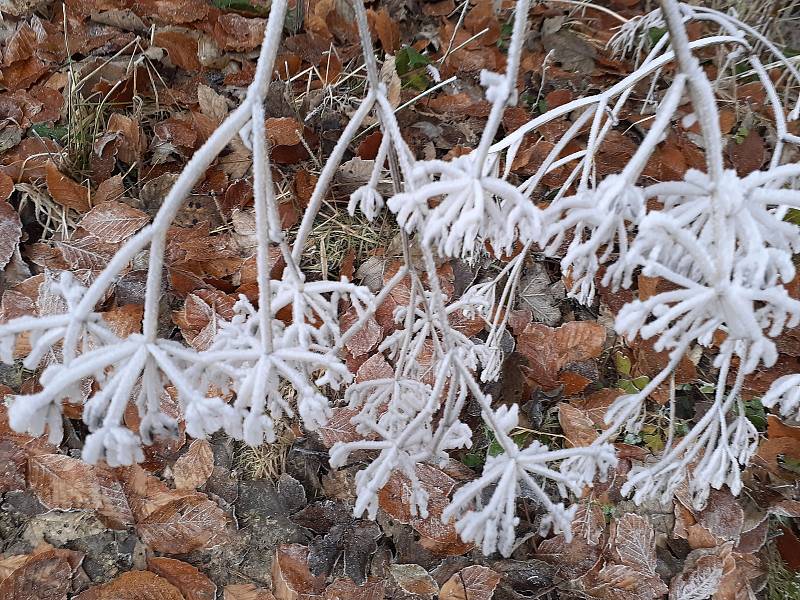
[
  {"x": 700, "y": 578},
  {"x": 28, "y": 160},
  {"x": 181, "y": 47},
  {"x": 194, "y": 467},
  {"x": 291, "y": 577},
  {"x": 375, "y": 367},
  {"x": 186, "y": 578},
  {"x": 578, "y": 427},
  {"x": 183, "y": 524},
  {"x": 86, "y": 253},
  {"x": 549, "y": 350},
  {"x": 44, "y": 575},
  {"x": 635, "y": 543},
  {"x": 133, "y": 585},
  {"x": 62, "y": 482},
  {"x": 414, "y": 579},
  {"x": 471, "y": 583},
  {"x": 723, "y": 516},
  {"x": 339, "y": 427},
  {"x": 65, "y": 191},
  {"x": 113, "y": 222},
  {"x": 366, "y": 338},
  {"x": 10, "y": 232},
  {"x": 387, "y": 30},
  {"x": 246, "y": 591},
  {"x": 283, "y": 131},
  {"x": 573, "y": 559},
  {"x": 395, "y": 498},
  {"x": 345, "y": 589},
  {"x": 238, "y": 33}
]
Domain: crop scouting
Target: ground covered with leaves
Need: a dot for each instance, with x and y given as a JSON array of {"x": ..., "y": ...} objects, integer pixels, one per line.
[{"x": 103, "y": 102}]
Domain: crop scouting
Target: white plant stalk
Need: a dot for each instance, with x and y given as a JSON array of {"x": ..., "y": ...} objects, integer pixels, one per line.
[{"x": 719, "y": 239}]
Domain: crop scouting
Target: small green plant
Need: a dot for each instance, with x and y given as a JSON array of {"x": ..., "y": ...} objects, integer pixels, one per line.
[{"x": 410, "y": 66}]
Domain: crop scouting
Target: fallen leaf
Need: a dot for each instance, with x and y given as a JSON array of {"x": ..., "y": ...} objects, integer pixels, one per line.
[
  {"x": 635, "y": 543},
  {"x": 291, "y": 577},
  {"x": 194, "y": 467},
  {"x": 576, "y": 424},
  {"x": 471, "y": 583},
  {"x": 10, "y": 232},
  {"x": 414, "y": 579},
  {"x": 183, "y": 525},
  {"x": 181, "y": 47},
  {"x": 43, "y": 576},
  {"x": 699, "y": 580},
  {"x": 62, "y": 482},
  {"x": 344, "y": 589},
  {"x": 548, "y": 350},
  {"x": 65, "y": 191},
  {"x": 189, "y": 581},
  {"x": 133, "y": 585},
  {"x": 246, "y": 591},
  {"x": 113, "y": 222}
]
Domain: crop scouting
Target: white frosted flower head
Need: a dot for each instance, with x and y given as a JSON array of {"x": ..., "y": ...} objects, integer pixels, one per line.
[
  {"x": 598, "y": 220},
  {"x": 117, "y": 445},
  {"x": 784, "y": 393},
  {"x": 472, "y": 207}
]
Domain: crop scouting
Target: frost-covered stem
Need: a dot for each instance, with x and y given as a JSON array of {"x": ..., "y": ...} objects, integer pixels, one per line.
[
  {"x": 508, "y": 445},
  {"x": 262, "y": 184},
  {"x": 509, "y": 86},
  {"x": 703, "y": 99},
  {"x": 366, "y": 44},
  {"x": 664, "y": 115},
  {"x": 625, "y": 84},
  {"x": 196, "y": 167},
  {"x": 326, "y": 176}
]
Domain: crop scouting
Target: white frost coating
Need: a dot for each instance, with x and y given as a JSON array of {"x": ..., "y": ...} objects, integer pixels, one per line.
[{"x": 718, "y": 239}]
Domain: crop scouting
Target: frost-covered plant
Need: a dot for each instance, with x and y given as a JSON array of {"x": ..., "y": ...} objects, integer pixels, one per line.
[{"x": 719, "y": 239}]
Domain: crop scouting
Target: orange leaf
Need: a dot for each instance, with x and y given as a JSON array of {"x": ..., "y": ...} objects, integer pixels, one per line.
[
  {"x": 185, "y": 577},
  {"x": 65, "y": 191},
  {"x": 133, "y": 585}
]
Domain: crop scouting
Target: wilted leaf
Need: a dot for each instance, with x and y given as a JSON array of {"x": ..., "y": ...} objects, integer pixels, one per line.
[
  {"x": 576, "y": 424},
  {"x": 366, "y": 338},
  {"x": 542, "y": 297},
  {"x": 62, "y": 482},
  {"x": 133, "y": 585},
  {"x": 414, "y": 579},
  {"x": 572, "y": 559},
  {"x": 549, "y": 350},
  {"x": 723, "y": 516},
  {"x": 635, "y": 543},
  {"x": 183, "y": 525},
  {"x": 42, "y": 576},
  {"x": 65, "y": 191},
  {"x": 181, "y": 47},
  {"x": 10, "y": 232},
  {"x": 186, "y": 578},
  {"x": 344, "y": 589},
  {"x": 395, "y": 498},
  {"x": 699, "y": 579},
  {"x": 113, "y": 222},
  {"x": 246, "y": 591},
  {"x": 387, "y": 30},
  {"x": 291, "y": 577},
  {"x": 472, "y": 583},
  {"x": 194, "y": 467}
]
